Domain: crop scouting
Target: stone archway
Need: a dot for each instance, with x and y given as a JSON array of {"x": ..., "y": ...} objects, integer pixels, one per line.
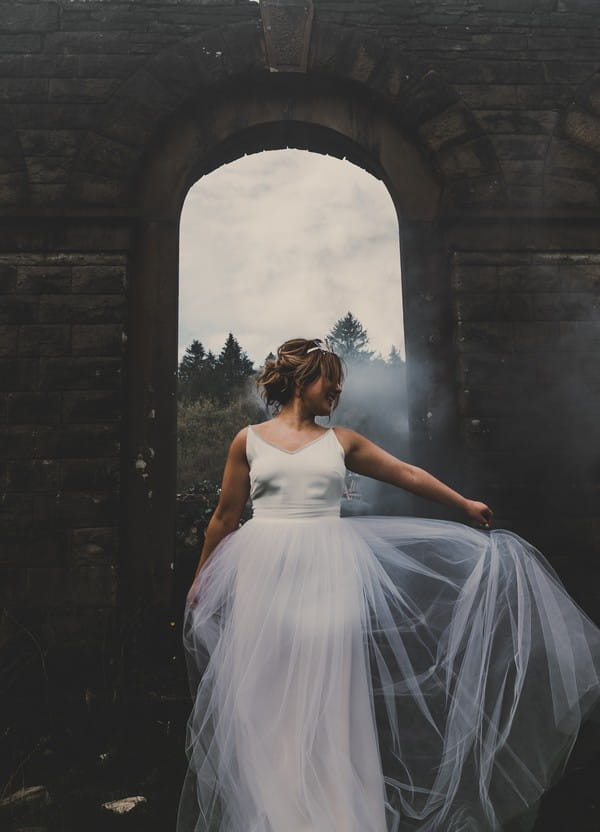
[{"x": 214, "y": 99}]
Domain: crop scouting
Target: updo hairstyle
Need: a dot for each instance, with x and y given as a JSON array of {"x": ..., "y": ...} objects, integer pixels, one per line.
[{"x": 294, "y": 366}]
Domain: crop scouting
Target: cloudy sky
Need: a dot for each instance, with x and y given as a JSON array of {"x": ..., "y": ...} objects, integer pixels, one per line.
[{"x": 282, "y": 244}]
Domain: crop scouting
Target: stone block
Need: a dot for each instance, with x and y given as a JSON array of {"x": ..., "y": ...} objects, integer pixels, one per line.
[
  {"x": 77, "y": 441},
  {"x": 580, "y": 277},
  {"x": 480, "y": 192},
  {"x": 75, "y": 509},
  {"x": 85, "y": 90},
  {"x": 566, "y": 306},
  {"x": 80, "y": 373},
  {"x": 48, "y": 170},
  {"x": 530, "y": 277},
  {"x": 527, "y": 172},
  {"x": 34, "y": 550},
  {"x": 475, "y": 278},
  {"x": 29, "y": 17},
  {"x": 8, "y": 278},
  {"x": 566, "y": 159},
  {"x": 506, "y": 372},
  {"x": 520, "y": 147},
  {"x": 582, "y": 128},
  {"x": 453, "y": 125},
  {"x": 89, "y": 309},
  {"x": 420, "y": 99},
  {"x": 89, "y": 475},
  {"x": 561, "y": 190},
  {"x": 19, "y": 374},
  {"x": 33, "y": 408},
  {"x": 19, "y": 441},
  {"x": 95, "y": 546},
  {"x": 495, "y": 307},
  {"x": 103, "y": 156},
  {"x": 536, "y": 336},
  {"x": 520, "y": 122},
  {"x": 471, "y": 159},
  {"x": 80, "y": 587},
  {"x": 477, "y": 337},
  {"x": 19, "y": 309},
  {"x": 97, "y": 339},
  {"x": 91, "y": 406},
  {"x": 31, "y": 475},
  {"x": 13, "y": 586},
  {"x": 541, "y": 96},
  {"x": 44, "y": 279},
  {"x": 8, "y": 339},
  {"x": 488, "y": 96},
  {"x": 44, "y": 339},
  {"x": 99, "y": 279}
]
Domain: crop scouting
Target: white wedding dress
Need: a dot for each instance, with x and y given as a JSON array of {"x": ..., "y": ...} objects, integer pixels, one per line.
[{"x": 374, "y": 674}]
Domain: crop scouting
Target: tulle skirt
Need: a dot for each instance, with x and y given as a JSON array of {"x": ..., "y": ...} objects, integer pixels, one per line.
[{"x": 379, "y": 674}]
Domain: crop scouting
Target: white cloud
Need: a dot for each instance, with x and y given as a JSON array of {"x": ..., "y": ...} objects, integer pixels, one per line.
[{"x": 282, "y": 244}]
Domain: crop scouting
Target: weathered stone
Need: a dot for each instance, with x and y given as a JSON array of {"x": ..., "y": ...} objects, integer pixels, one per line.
[
  {"x": 8, "y": 339},
  {"x": 82, "y": 308},
  {"x": 530, "y": 277},
  {"x": 106, "y": 279},
  {"x": 91, "y": 406},
  {"x": 34, "y": 408},
  {"x": 80, "y": 373},
  {"x": 573, "y": 306},
  {"x": 454, "y": 124},
  {"x": 473, "y": 158},
  {"x": 474, "y": 337},
  {"x": 95, "y": 546},
  {"x": 18, "y": 374},
  {"x": 97, "y": 339},
  {"x": 564, "y": 191},
  {"x": 583, "y": 128},
  {"x": 89, "y": 475},
  {"x": 495, "y": 307},
  {"x": 475, "y": 278},
  {"x": 18, "y": 309},
  {"x": 44, "y": 339}
]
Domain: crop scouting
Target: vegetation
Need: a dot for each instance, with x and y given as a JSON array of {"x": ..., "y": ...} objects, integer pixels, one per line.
[{"x": 217, "y": 396}]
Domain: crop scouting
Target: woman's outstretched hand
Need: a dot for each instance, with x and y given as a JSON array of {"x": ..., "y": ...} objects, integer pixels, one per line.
[{"x": 479, "y": 512}]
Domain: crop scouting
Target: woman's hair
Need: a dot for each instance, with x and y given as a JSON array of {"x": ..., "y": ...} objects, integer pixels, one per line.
[{"x": 299, "y": 362}]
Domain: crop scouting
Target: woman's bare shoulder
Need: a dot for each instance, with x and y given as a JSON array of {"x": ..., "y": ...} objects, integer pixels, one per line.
[
  {"x": 238, "y": 443},
  {"x": 348, "y": 438}
]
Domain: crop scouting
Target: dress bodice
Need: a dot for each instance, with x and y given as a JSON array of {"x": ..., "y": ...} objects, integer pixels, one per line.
[{"x": 307, "y": 482}]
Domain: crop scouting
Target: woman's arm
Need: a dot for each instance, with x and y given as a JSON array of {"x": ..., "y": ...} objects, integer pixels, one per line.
[
  {"x": 365, "y": 457},
  {"x": 235, "y": 488}
]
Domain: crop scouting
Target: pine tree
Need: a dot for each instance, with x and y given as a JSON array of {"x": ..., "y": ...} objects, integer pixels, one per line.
[
  {"x": 394, "y": 357},
  {"x": 233, "y": 368},
  {"x": 349, "y": 339},
  {"x": 190, "y": 371}
]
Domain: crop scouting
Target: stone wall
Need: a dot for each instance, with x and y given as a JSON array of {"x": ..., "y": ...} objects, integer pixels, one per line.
[{"x": 499, "y": 102}]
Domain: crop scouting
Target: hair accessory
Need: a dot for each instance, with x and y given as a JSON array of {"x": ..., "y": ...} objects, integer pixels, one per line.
[{"x": 325, "y": 348}]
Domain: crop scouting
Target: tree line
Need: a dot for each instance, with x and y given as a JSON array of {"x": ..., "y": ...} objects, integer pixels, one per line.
[{"x": 221, "y": 379}]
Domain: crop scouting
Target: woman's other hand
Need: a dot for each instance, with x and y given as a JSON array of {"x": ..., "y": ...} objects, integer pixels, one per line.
[{"x": 479, "y": 512}]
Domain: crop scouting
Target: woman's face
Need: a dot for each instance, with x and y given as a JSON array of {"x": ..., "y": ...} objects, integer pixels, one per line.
[{"x": 321, "y": 395}]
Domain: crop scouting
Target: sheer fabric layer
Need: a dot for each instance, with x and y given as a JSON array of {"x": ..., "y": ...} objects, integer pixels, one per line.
[{"x": 377, "y": 674}]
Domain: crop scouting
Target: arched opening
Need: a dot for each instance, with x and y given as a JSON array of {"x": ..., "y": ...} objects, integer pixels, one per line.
[
  {"x": 273, "y": 245},
  {"x": 277, "y": 114}
]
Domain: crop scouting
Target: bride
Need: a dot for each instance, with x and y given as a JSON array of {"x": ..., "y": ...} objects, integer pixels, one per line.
[{"x": 368, "y": 674}]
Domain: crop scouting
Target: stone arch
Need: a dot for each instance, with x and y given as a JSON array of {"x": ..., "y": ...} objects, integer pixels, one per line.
[
  {"x": 572, "y": 164},
  {"x": 13, "y": 169},
  {"x": 212, "y": 99},
  {"x": 425, "y": 109}
]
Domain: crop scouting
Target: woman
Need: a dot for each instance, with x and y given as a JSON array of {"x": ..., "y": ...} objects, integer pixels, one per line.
[{"x": 368, "y": 674}]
